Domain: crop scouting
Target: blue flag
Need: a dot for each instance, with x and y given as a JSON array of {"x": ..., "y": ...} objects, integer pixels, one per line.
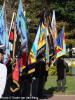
[
  {"x": 6, "y": 50},
  {"x": 35, "y": 44},
  {"x": 61, "y": 47},
  {"x": 21, "y": 27},
  {"x": 60, "y": 39},
  {"x": 33, "y": 53},
  {"x": 2, "y": 23},
  {"x": 54, "y": 29}
]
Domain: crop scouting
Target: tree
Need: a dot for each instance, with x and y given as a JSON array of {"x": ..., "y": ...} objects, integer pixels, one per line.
[{"x": 65, "y": 13}]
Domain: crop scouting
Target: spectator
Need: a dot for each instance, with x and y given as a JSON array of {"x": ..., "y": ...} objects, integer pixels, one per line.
[{"x": 61, "y": 73}]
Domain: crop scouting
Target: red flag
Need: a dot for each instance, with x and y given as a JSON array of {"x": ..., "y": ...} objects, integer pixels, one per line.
[
  {"x": 11, "y": 37},
  {"x": 16, "y": 71},
  {"x": 23, "y": 61}
]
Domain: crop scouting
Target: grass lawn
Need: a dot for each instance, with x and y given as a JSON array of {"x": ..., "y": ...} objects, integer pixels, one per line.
[{"x": 50, "y": 86}]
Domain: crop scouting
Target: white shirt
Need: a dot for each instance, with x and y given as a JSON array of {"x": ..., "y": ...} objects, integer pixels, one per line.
[{"x": 3, "y": 77}]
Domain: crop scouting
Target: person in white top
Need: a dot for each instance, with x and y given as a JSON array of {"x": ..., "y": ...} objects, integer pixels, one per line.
[
  {"x": 3, "y": 74},
  {"x": 3, "y": 78}
]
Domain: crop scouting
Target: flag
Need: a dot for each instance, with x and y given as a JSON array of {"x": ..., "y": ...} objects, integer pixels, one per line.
[
  {"x": 61, "y": 45},
  {"x": 21, "y": 26},
  {"x": 60, "y": 42},
  {"x": 41, "y": 41},
  {"x": 4, "y": 38},
  {"x": 6, "y": 43},
  {"x": 2, "y": 18},
  {"x": 47, "y": 46},
  {"x": 2, "y": 24},
  {"x": 33, "y": 53},
  {"x": 42, "y": 38},
  {"x": 28, "y": 34},
  {"x": 22, "y": 63},
  {"x": 51, "y": 46},
  {"x": 54, "y": 29},
  {"x": 11, "y": 37},
  {"x": 21, "y": 29},
  {"x": 15, "y": 75}
]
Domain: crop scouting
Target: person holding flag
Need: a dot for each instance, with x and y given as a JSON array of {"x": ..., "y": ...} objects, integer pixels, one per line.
[{"x": 20, "y": 68}]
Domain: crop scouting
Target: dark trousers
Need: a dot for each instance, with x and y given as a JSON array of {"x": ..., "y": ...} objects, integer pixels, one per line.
[
  {"x": 25, "y": 88},
  {"x": 41, "y": 86},
  {"x": 61, "y": 82},
  {"x": 35, "y": 82}
]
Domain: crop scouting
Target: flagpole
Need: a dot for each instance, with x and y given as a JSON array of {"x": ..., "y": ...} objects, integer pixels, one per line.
[
  {"x": 11, "y": 23},
  {"x": 14, "y": 35}
]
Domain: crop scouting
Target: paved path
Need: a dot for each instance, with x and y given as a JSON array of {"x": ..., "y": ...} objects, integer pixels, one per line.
[{"x": 60, "y": 97}]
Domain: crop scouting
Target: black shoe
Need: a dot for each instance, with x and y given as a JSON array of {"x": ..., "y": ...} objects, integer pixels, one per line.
[
  {"x": 58, "y": 89},
  {"x": 43, "y": 97},
  {"x": 63, "y": 89}
]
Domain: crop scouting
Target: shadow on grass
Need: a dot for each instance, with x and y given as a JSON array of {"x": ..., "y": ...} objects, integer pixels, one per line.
[{"x": 51, "y": 91}]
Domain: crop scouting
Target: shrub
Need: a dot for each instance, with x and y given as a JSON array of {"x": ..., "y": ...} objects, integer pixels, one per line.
[{"x": 52, "y": 70}]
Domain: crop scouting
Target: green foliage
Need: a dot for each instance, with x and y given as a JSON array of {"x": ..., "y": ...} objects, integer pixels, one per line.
[{"x": 52, "y": 70}]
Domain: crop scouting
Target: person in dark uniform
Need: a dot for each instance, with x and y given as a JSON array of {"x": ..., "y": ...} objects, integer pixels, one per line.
[
  {"x": 42, "y": 78},
  {"x": 25, "y": 83},
  {"x": 61, "y": 73},
  {"x": 38, "y": 79}
]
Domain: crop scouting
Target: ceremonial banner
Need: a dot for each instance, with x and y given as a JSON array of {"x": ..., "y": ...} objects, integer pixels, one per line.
[
  {"x": 51, "y": 45},
  {"x": 37, "y": 47},
  {"x": 60, "y": 42},
  {"x": 6, "y": 50},
  {"x": 42, "y": 38},
  {"x": 61, "y": 45},
  {"x": 4, "y": 38},
  {"x": 54, "y": 29},
  {"x": 21, "y": 27},
  {"x": 16, "y": 71},
  {"x": 11, "y": 37},
  {"x": 2, "y": 25},
  {"x": 47, "y": 46},
  {"x": 33, "y": 52},
  {"x": 23, "y": 62}
]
